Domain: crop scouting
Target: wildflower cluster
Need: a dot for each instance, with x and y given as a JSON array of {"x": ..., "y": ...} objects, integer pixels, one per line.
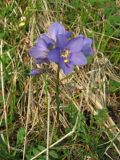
[{"x": 58, "y": 46}]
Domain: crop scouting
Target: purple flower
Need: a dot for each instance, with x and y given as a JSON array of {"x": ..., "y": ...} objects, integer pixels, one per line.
[
  {"x": 70, "y": 53},
  {"x": 55, "y": 46},
  {"x": 34, "y": 72},
  {"x": 46, "y": 42}
]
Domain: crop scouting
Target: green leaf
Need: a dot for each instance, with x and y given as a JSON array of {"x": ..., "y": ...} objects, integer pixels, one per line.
[
  {"x": 20, "y": 135},
  {"x": 53, "y": 154},
  {"x": 114, "y": 86},
  {"x": 2, "y": 34},
  {"x": 41, "y": 147},
  {"x": 35, "y": 151}
]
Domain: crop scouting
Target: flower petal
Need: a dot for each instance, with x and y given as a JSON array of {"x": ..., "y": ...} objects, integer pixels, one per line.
[
  {"x": 35, "y": 72},
  {"x": 55, "y": 29},
  {"x": 68, "y": 34},
  {"x": 87, "y": 49},
  {"x": 38, "y": 52},
  {"x": 75, "y": 45},
  {"x": 41, "y": 60},
  {"x": 54, "y": 55},
  {"x": 42, "y": 44},
  {"x": 81, "y": 36},
  {"x": 66, "y": 67},
  {"x": 45, "y": 37},
  {"x": 78, "y": 59},
  {"x": 61, "y": 41}
]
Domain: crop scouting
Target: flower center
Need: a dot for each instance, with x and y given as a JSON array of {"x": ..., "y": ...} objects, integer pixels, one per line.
[{"x": 65, "y": 55}]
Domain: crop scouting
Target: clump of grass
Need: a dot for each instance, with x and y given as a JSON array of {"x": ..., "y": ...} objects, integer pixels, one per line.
[{"x": 88, "y": 128}]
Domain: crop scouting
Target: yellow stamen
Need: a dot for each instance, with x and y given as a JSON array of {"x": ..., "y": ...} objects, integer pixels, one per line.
[
  {"x": 66, "y": 60},
  {"x": 65, "y": 54}
]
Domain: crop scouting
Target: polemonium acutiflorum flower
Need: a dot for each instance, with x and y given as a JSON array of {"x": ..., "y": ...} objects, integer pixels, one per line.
[
  {"x": 56, "y": 46},
  {"x": 46, "y": 42},
  {"x": 68, "y": 53}
]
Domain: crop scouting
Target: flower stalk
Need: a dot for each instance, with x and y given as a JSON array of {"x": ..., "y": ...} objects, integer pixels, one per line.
[{"x": 57, "y": 94}]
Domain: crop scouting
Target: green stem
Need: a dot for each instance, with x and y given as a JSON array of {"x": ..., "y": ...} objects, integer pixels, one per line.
[
  {"x": 57, "y": 94},
  {"x": 48, "y": 117}
]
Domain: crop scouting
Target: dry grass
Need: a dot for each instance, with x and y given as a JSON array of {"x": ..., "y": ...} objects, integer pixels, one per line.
[{"x": 87, "y": 88}]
